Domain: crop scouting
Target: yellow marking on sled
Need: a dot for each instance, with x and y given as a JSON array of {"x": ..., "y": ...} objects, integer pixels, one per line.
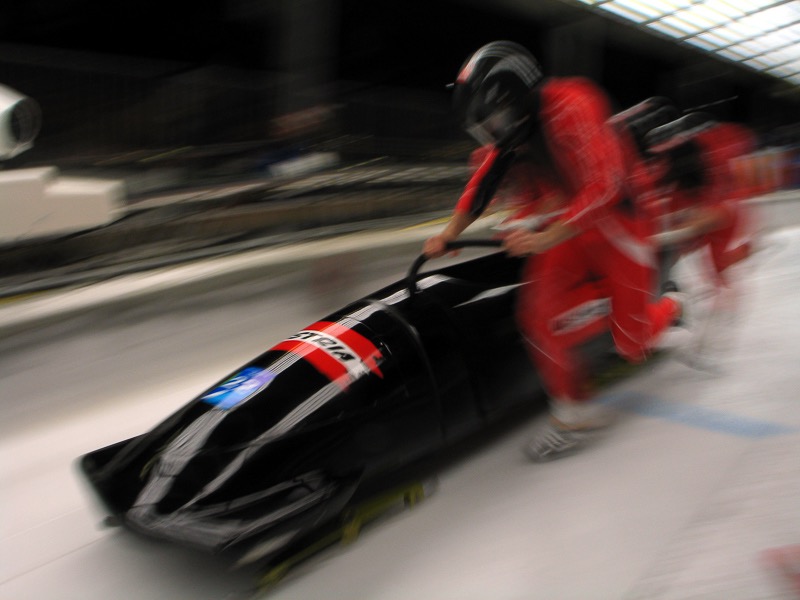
[
  {"x": 353, "y": 521},
  {"x": 620, "y": 369}
]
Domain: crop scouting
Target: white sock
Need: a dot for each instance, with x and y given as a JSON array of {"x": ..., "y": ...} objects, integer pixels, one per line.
[{"x": 581, "y": 414}]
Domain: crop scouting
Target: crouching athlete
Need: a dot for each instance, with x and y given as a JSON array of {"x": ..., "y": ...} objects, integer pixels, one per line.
[{"x": 590, "y": 267}]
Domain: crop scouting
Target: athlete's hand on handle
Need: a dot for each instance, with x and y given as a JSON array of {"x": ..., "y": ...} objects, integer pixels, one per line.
[
  {"x": 436, "y": 246},
  {"x": 523, "y": 242}
]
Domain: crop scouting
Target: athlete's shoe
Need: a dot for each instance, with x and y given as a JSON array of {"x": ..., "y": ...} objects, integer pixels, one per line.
[
  {"x": 679, "y": 337},
  {"x": 692, "y": 334},
  {"x": 669, "y": 286},
  {"x": 553, "y": 442},
  {"x": 671, "y": 290}
]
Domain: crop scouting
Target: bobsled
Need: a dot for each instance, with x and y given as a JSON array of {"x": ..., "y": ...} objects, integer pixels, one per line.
[{"x": 273, "y": 455}]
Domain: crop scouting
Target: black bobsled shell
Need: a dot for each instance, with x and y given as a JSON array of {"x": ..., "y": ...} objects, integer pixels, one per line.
[{"x": 276, "y": 450}]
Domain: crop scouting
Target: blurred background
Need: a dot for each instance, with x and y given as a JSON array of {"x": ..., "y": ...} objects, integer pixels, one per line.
[
  {"x": 149, "y": 134},
  {"x": 228, "y": 86},
  {"x": 176, "y": 96}
]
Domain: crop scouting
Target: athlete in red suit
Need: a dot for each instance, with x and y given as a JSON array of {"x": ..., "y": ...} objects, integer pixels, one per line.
[
  {"x": 590, "y": 267},
  {"x": 705, "y": 196}
]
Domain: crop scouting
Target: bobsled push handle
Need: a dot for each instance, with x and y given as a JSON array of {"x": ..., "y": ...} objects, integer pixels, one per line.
[{"x": 413, "y": 272}]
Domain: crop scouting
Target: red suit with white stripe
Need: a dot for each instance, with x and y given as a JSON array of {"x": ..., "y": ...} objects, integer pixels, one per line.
[
  {"x": 719, "y": 196},
  {"x": 601, "y": 278}
]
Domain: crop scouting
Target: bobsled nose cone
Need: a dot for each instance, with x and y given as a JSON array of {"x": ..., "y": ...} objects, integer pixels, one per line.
[{"x": 269, "y": 518}]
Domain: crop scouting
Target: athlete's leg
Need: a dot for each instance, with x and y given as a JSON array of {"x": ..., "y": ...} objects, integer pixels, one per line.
[
  {"x": 621, "y": 250},
  {"x": 559, "y": 308}
]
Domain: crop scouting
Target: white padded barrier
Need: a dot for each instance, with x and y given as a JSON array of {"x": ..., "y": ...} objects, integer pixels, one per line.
[
  {"x": 22, "y": 200},
  {"x": 40, "y": 203},
  {"x": 77, "y": 203}
]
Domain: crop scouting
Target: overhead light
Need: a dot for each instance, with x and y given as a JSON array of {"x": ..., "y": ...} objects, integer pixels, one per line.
[
  {"x": 628, "y": 12},
  {"x": 643, "y": 10},
  {"x": 729, "y": 8},
  {"x": 757, "y": 64},
  {"x": 733, "y": 54},
  {"x": 685, "y": 27},
  {"x": 763, "y": 35},
  {"x": 701, "y": 42},
  {"x": 792, "y": 68},
  {"x": 702, "y": 17}
]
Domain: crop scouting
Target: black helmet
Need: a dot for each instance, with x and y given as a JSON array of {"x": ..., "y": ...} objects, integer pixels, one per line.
[
  {"x": 492, "y": 93},
  {"x": 677, "y": 142},
  {"x": 680, "y": 131},
  {"x": 645, "y": 116}
]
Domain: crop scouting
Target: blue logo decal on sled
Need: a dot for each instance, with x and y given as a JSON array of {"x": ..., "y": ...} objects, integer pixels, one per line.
[{"x": 239, "y": 387}]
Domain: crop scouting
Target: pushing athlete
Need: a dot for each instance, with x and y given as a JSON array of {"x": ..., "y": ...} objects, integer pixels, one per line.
[{"x": 590, "y": 265}]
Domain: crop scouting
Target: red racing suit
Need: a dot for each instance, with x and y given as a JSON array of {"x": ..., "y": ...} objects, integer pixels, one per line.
[
  {"x": 721, "y": 192},
  {"x": 603, "y": 278}
]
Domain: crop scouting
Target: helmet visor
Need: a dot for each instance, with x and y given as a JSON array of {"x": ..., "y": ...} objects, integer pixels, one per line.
[{"x": 499, "y": 126}]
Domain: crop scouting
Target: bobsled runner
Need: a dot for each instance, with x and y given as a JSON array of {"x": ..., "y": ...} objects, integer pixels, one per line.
[
  {"x": 274, "y": 456},
  {"x": 314, "y": 437}
]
